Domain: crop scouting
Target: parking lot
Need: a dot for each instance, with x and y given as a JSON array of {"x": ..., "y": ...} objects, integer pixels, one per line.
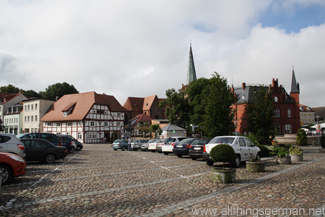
[{"x": 98, "y": 181}]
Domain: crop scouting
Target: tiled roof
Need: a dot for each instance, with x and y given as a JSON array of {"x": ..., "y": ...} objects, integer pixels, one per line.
[
  {"x": 7, "y": 96},
  {"x": 83, "y": 103},
  {"x": 133, "y": 104},
  {"x": 139, "y": 118},
  {"x": 148, "y": 101},
  {"x": 170, "y": 127},
  {"x": 304, "y": 108}
]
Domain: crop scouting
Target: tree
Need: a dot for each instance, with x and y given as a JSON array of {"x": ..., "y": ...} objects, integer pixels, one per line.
[
  {"x": 9, "y": 89},
  {"x": 301, "y": 138},
  {"x": 194, "y": 93},
  {"x": 58, "y": 90},
  {"x": 177, "y": 108},
  {"x": 260, "y": 116},
  {"x": 30, "y": 93},
  {"x": 156, "y": 129},
  {"x": 217, "y": 100}
]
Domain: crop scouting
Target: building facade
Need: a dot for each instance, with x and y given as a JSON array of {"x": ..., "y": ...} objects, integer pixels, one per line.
[
  {"x": 89, "y": 117},
  {"x": 287, "y": 112},
  {"x": 34, "y": 110},
  {"x": 13, "y": 119}
]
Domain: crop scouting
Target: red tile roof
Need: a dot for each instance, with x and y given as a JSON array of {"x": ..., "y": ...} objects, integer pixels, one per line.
[{"x": 83, "y": 103}]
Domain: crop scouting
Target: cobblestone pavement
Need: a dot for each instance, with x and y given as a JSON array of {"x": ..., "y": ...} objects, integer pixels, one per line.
[{"x": 98, "y": 181}]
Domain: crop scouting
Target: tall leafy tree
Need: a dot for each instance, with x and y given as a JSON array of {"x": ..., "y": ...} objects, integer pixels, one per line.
[
  {"x": 195, "y": 96},
  {"x": 58, "y": 90},
  {"x": 177, "y": 108},
  {"x": 260, "y": 115},
  {"x": 217, "y": 99}
]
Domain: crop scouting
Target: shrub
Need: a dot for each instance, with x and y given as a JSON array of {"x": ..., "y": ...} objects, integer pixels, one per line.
[
  {"x": 252, "y": 137},
  {"x": 295, "y": 151},
  {"x": 222, "y": 153},
  {"x": 322, "y": 141},
  {"x": 301, "y": 137},
  {"x": 282, "y": 151},
  {"x": 264, "y": 151}
]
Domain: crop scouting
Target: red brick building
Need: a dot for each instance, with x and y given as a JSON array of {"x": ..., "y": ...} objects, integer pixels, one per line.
[{"x": 287, "y": 113}]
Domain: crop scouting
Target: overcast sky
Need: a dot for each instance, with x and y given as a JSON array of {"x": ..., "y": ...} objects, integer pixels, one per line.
[{"x": 140, "y": 48}]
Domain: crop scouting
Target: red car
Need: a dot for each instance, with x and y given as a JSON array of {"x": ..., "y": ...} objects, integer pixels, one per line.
[{"x": 11, "y": 165}]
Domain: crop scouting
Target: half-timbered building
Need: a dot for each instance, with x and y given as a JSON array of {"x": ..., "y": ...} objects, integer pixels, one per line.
[{"x": 89, "y": 117}]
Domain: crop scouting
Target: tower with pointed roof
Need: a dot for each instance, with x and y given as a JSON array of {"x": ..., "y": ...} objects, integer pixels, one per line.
[
  {"x": 294, "y": 93},
  {"x": 191, "y": 74}
]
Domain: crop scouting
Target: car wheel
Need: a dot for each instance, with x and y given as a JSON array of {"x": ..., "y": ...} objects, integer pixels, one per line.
[
  {"x": 165, "y": 153},
  {"x": 50, "y": 158},
  {"x": 72, "y": 149},
  {"x": 236, "y": 162},
  {"x": 123, "y": 148},
  {"x": 159, "y": 151},
  {"x": 179, "y": 155},
  {"x": 115, "y": 149},
  {"x": 209, "y": 162},
  {"x": 6, "y": 172},
  {"x": 135, "y": 149},
  {"x": 193, "y": 157},
  {"x": 258, "y": 156},
  {"x": 78, "y": 148}
]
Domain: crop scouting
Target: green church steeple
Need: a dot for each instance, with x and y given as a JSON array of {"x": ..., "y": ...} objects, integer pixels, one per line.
[{"x": 191, "y": 74}]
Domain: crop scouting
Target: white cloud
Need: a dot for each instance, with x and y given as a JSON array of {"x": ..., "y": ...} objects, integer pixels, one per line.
[{"x": 140, "y": 48}]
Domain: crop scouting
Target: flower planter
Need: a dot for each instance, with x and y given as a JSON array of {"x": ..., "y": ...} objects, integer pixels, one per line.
[
  {"x": 257, "y": 166},
  {"x": 283, "y": 160},
  {"x": 225, "y": 176},
  {"x": 297, "y": 158}
]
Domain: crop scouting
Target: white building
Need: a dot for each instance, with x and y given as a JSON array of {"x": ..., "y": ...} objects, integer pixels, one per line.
[
  {"x": 88, "y": 117},
  {"x": 34, "y": 109},
  {"x": 13, "y": 119}
]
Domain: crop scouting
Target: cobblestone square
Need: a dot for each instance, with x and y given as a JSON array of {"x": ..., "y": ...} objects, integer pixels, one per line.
[{"x": 98, "y": 181}]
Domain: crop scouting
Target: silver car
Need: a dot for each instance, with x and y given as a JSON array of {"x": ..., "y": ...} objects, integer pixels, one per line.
[{"x": 10, "y": 143}]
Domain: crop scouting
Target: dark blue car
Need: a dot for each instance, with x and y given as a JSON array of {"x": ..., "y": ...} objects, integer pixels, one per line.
[{"x": 181, "y": 148}]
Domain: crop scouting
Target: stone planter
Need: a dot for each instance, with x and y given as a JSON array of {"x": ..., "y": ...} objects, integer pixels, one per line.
[
  {"x": 225, "y": 176},
  {"x": 322, "y": 150},
  {"x": 297, "y": 157},
  {"x": 283, "y": 160},
  {"x": 257, "y": 166}
]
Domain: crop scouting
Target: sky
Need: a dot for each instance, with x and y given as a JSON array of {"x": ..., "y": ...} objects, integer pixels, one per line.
[{"x": 129, "y": 48}]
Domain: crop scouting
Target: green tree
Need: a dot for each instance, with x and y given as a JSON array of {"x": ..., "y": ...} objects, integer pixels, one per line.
[
  {"x": 177, "y": 108},
  {"x": 195, "y": 96},
  {"x": 30, "y": 93},
  {"x": 9, "y": 89},
  {"x": 217, "y": 100},
  {"x": 301, "y": 138},
  {"x": 58, "y": 90},
  {"x": 260, "y": 116},
  {"x": 156, "y": 129}
]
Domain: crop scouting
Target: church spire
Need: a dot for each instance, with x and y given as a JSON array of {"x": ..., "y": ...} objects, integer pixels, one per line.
[
  {"x": 294, "y": 84},
  {"x": 191, "y": 74}
]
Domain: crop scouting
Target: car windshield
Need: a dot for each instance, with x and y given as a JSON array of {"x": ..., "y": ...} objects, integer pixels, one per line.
[
  {"x": 117, "y": 141},
  {"x": 187, "y": 141},
  {"x": 222, "y": 140},
  {"x": 201, "y": 142},
  {"x": 151, "y": 141}
]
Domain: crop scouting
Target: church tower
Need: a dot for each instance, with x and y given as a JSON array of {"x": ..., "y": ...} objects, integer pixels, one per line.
[
  {"x": 294, "y": 93},
  {"x": 191, "y": 74}
]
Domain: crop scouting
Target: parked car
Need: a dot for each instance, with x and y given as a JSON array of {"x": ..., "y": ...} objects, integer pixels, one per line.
[
  {"x": 68, "y": 143},
  {"x": 243, "y": 147},
  {"x": 43, "y": 151},
  {"x": 168, "y": 147},
  {"x": 137, "y": 144},
  {"x": 10, "y": 143},
  {"x": 78, "y": 144},
  {"x": 144, "y": 146},
  {"x": 52, "y": 138},
  {"x": 152, "y": 146},
  {"x": 181, "y": 148},
  {"x": 11, "y": 165},
  {"x": 161, "y": 143},
  {"x": 196, "y": 148},
  {"x": 120, "y": 144}
]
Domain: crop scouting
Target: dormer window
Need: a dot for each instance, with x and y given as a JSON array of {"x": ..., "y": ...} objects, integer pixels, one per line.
[
  {"x": 68, "y": 109},
  {"x": 301, "y": 108},
  {"x": 243, "y": 97}
]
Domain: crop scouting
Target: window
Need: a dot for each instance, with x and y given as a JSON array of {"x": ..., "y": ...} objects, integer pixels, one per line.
[
  {"x": 58, "y": 124},
  {"x": 79, "y": 136},
  {"x": 277, "y": 112},
  {"x": 105, "y": 123},
  {"x": 92, "y": 123},
  {"x": 69, "y": 124},
  {"x": 49, "y": 124},
  {"x": 32, "y": 118},
  {"x": 32, "y": 107},
  {"x": 35, "y": 118},
  {"x": 289, "y": 113},
  {"x": 25, "y": 107},
  {"x": 27, "y": 118},
  {"x": 241, "y": 142},
  {"x": 28, "y": 107},
  {"x": 35, "y": 107}
]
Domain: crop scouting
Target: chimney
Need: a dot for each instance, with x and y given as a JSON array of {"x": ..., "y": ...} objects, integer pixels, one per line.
[{"x": 243, "y": 86}]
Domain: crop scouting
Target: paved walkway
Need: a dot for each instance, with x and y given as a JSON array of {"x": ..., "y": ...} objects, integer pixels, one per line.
[{"x": 98, "y": 181}]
